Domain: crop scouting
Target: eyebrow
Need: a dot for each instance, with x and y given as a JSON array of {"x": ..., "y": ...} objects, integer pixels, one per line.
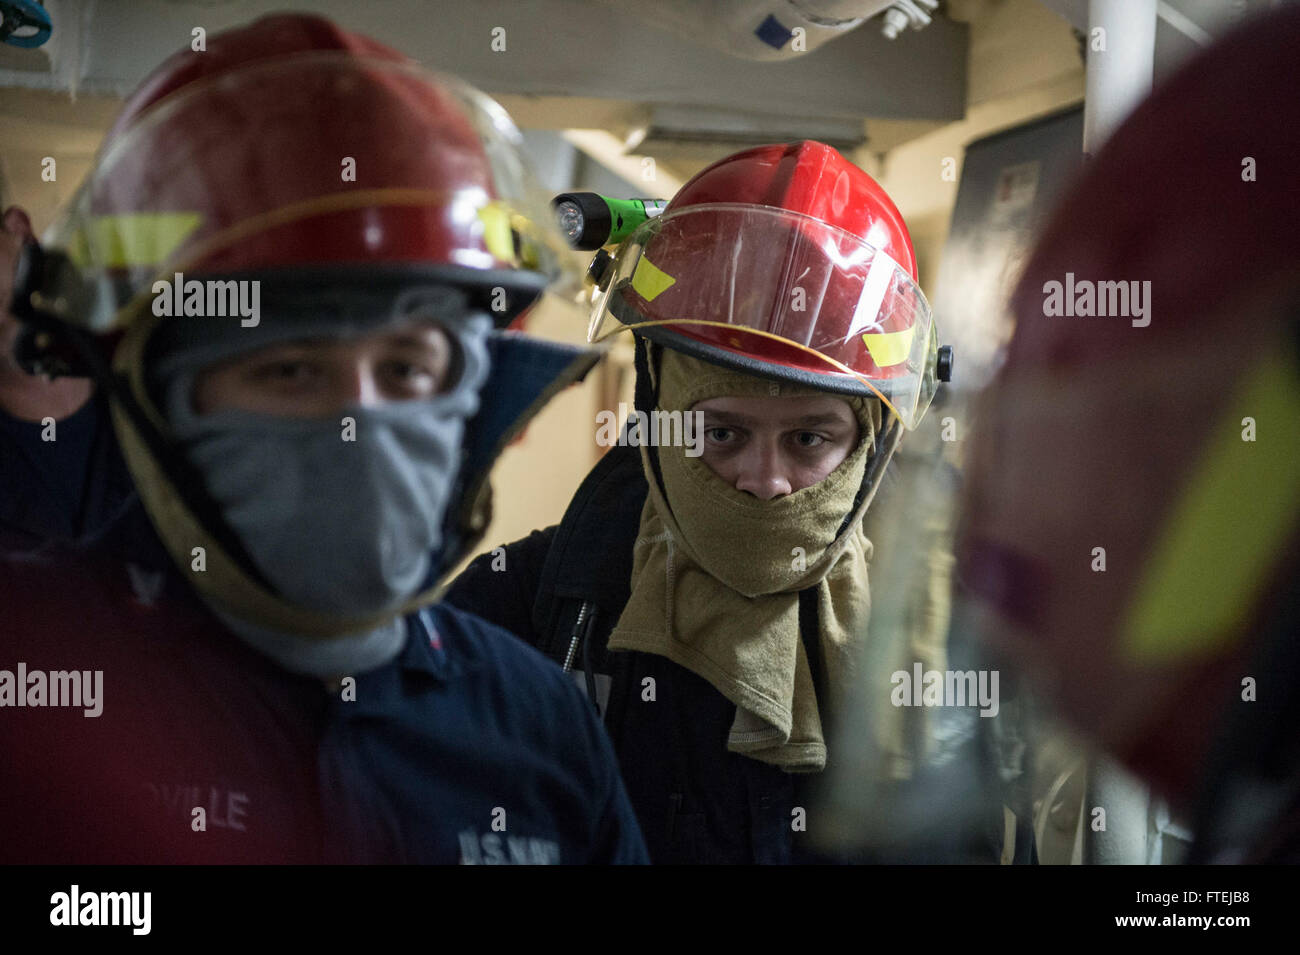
[
  {"x": 803, "y": 421},
  {"x": 403, "y": 339},
  {"x": 296, "y": 347},
  {"x": 415, "y": 340}
]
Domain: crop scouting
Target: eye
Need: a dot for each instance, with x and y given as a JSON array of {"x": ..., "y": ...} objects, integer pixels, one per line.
[
  {"x": 406, "y": 370},
  {"x": 809, "y": 439},
  {"x": 417, "y": 377},
  {"x": 284, "y": 371},
  {"x": 719, "y": 435}
]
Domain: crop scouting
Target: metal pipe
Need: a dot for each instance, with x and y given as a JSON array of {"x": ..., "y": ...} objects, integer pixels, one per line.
[
  {"x": 1121, "y": 56},
  {"x": 1127, "y": 804},
  {"x": 1121, "y": 63}
]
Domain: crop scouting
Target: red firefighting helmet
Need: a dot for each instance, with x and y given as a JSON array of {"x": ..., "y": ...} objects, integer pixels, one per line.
[
  {"x": 785, "y": 261},
  {"x": 292, "y": 144}
]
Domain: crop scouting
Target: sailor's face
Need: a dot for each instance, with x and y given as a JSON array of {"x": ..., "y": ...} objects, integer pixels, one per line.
[
  {"x": 770, "y": 447},
  {"x": 314, "y": 378}
]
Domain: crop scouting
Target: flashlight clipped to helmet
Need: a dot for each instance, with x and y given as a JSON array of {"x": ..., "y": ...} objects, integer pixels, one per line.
[{"x": 591, "y": 221}]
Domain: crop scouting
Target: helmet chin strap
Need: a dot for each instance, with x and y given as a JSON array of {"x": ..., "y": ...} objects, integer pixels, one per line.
[
  {"x": 646, "y": 394},
  {"x": 886, "y": 442}
]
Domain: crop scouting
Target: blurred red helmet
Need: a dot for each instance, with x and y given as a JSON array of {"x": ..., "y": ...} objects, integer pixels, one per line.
[
  {"x": 291, "y": 144},
  {"x": 1130, "y": 530}
]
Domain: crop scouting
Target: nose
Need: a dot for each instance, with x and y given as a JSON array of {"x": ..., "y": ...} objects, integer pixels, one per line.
[
  {"x": 358, "y": 386},
  {"x": 762, "y": 472}
]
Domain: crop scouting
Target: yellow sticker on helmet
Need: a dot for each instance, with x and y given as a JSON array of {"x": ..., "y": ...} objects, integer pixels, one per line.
[
  {"x": 889, "y": 348},
  {"x": 132, "y": 239},
  {"x": 497, "y": 234},
  {"x": 649, "y": 280},
  {"x": 1231, "y": 524}
]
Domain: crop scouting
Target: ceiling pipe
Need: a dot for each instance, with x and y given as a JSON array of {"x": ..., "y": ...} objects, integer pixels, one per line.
[
  {"x": 1121, "y": 44},
  {"x": 1121, "y": 62}
]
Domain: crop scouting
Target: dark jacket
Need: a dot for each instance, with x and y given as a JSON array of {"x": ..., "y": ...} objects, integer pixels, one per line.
[
  {"x": 562, "y": 590},
  {"x": 468, "y": 747},
  {"x": 61, "y": 490}
]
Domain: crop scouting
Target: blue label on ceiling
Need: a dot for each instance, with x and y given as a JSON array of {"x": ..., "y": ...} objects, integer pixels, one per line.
[{"x": 773, "y": 33}]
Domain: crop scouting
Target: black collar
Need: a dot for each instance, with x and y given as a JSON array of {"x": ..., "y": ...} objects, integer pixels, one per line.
[{"x": 590, "y": 557}]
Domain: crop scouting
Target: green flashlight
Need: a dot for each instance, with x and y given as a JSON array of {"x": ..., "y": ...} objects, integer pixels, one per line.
[{"x": 590, "y": 220}]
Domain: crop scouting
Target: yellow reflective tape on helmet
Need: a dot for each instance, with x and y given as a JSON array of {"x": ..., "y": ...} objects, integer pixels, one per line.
[
  {"x": 497, "y": 234},
  {"x": 889, "y": 348},
  {"x": 649, "y": 280},
  {"x": 1224, "y": 536},
  {"x": 131, "y": 239}
]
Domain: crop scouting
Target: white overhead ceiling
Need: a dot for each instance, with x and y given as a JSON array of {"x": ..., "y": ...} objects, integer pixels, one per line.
[
  {"x": 567, "y": 48},
  {"x": 585, "y": 64},
  {"x": 577, "y": 64}
]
